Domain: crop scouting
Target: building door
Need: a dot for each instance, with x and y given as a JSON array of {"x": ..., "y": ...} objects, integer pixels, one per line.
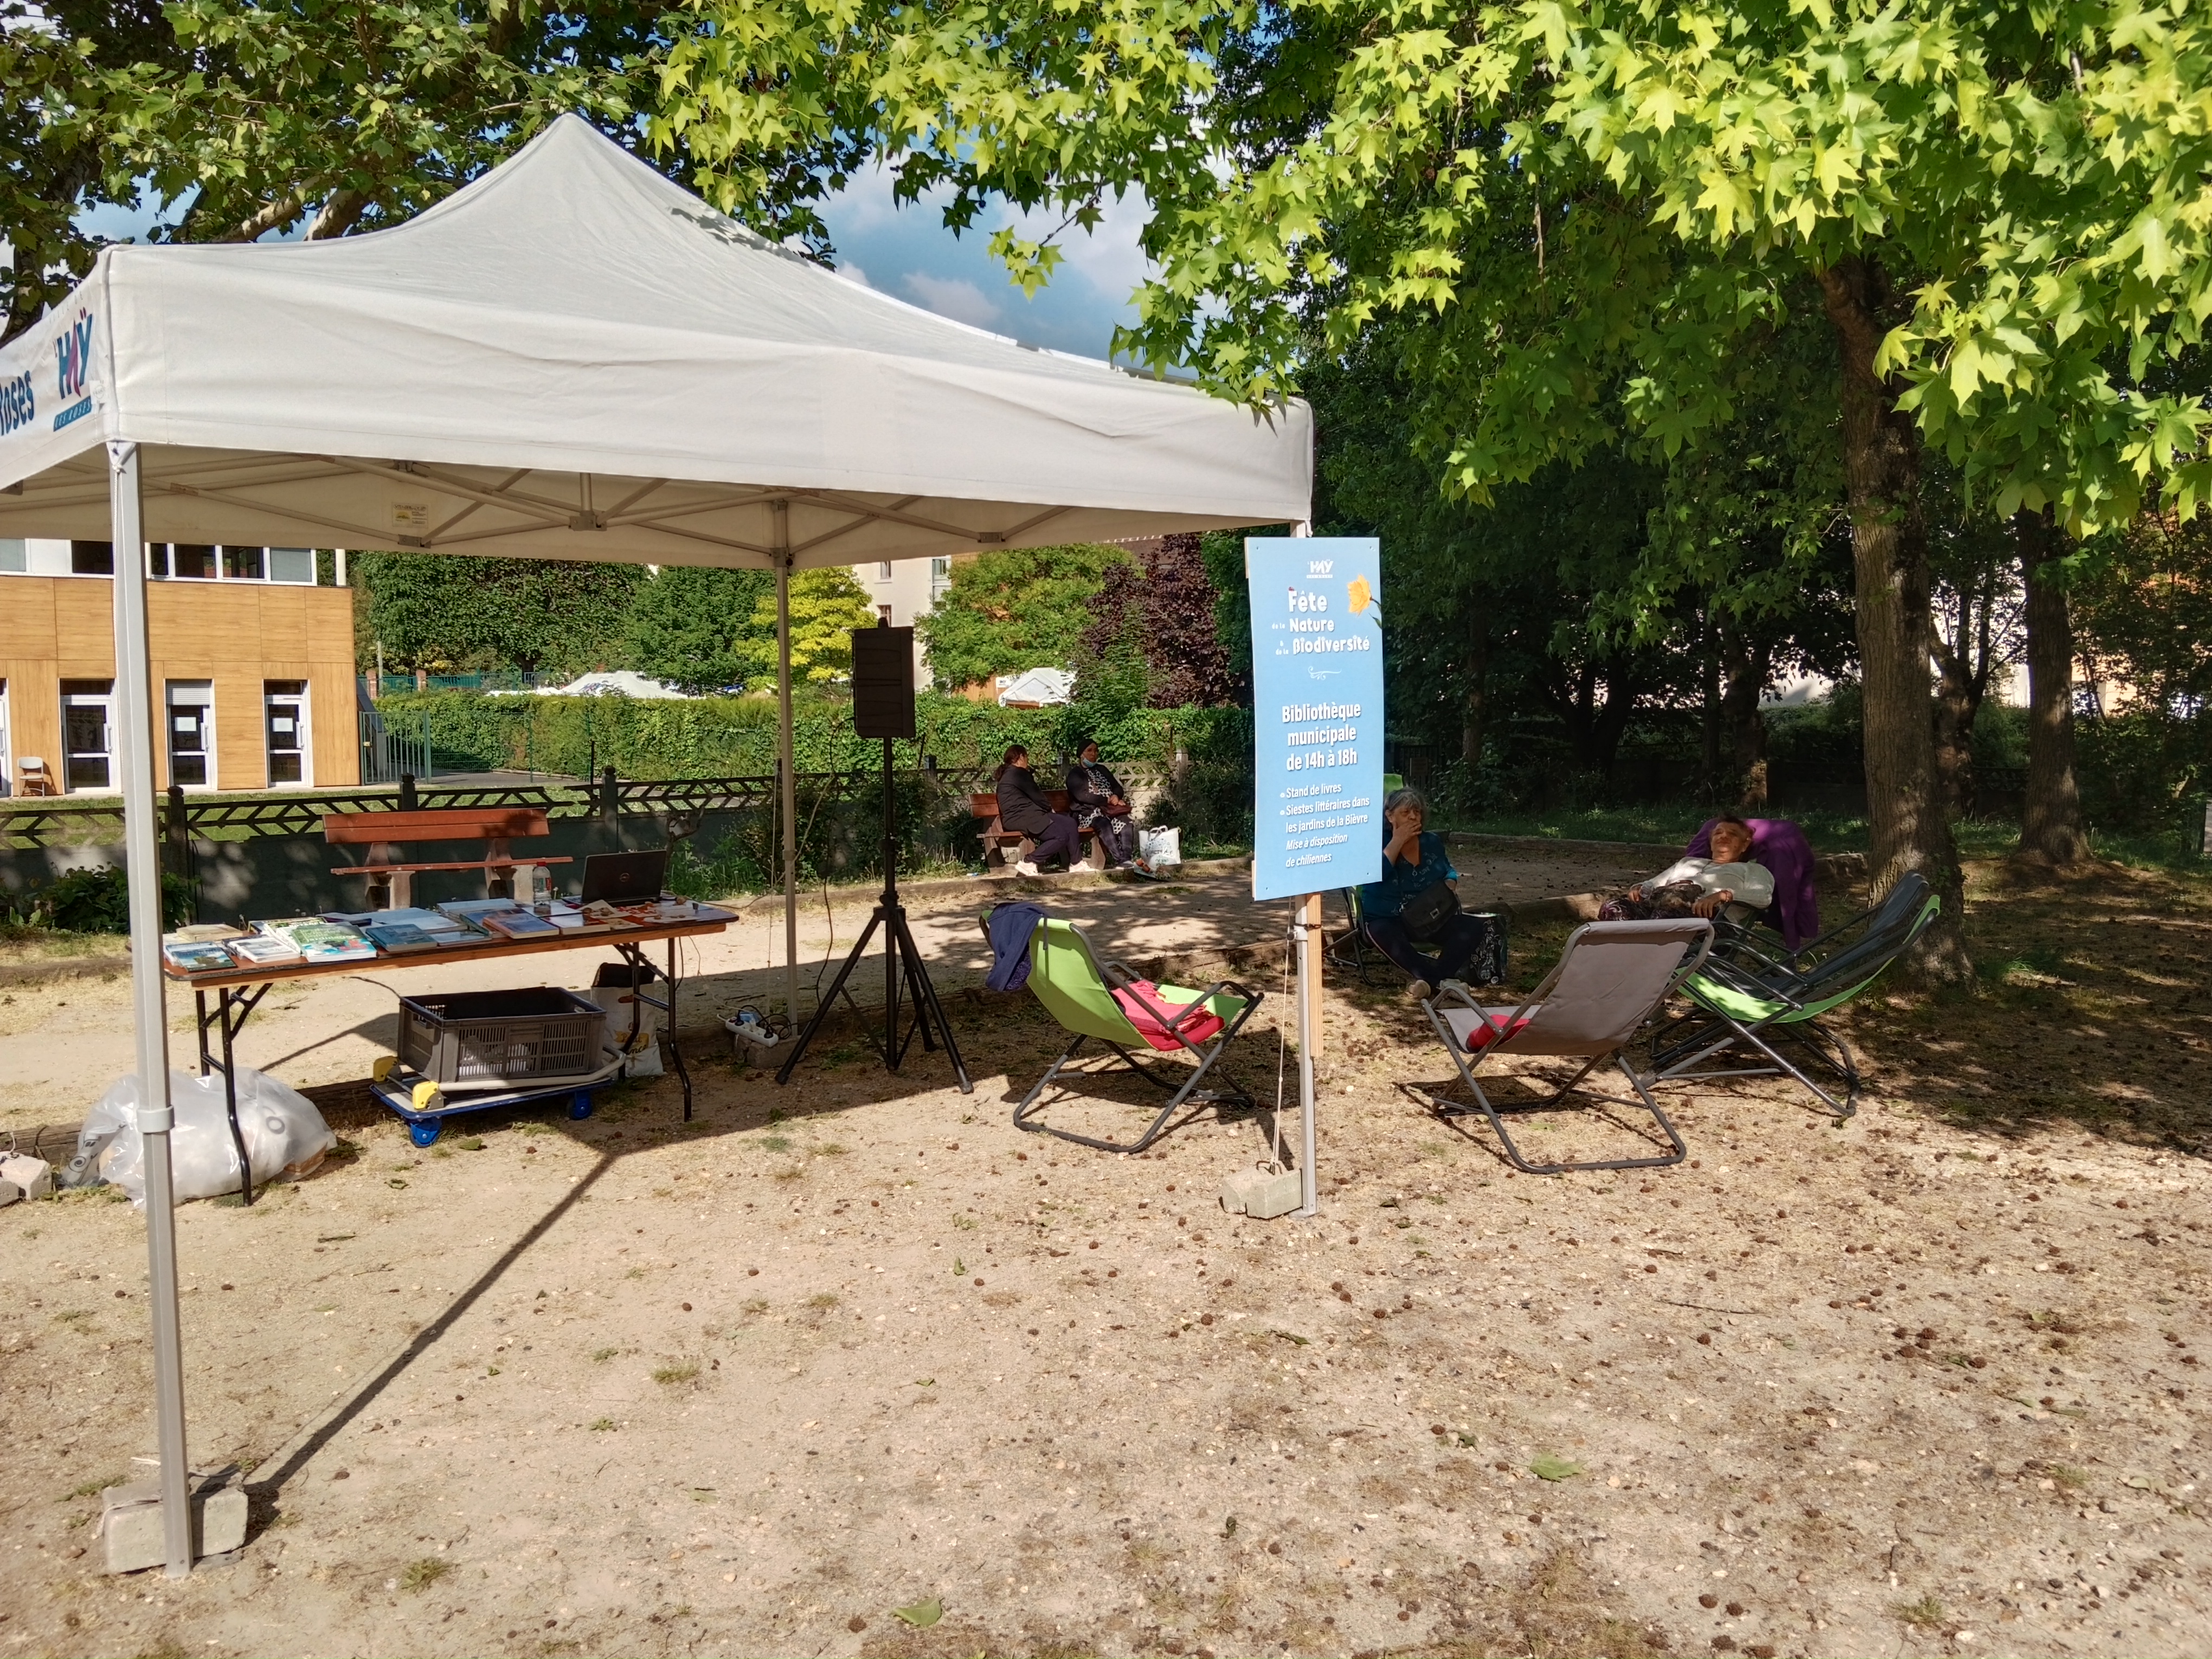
[
  {"x": 191, "y": 733},
  {"x": 87, "y": 735},
  {"x": 285, "y": 703}
]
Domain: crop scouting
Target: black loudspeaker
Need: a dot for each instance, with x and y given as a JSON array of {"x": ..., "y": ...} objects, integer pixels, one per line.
[{"x": 882, "y": 682}]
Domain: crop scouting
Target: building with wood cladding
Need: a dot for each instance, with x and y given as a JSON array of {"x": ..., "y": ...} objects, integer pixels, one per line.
[{"x": 253, "y": 660}]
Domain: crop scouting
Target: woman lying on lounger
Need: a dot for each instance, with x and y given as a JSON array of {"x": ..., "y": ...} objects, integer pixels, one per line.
[{"x": 1727, "y": 881}]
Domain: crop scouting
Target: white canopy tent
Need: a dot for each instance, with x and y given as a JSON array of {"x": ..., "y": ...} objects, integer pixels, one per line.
[{"x": 573, "y": 358}]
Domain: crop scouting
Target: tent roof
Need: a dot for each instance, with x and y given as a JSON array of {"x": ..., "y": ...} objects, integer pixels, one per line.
[{"x": 575, "y": 358}]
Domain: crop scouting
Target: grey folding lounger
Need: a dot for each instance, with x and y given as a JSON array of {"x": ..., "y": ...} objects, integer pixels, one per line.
[{"x": 1611, "y": 977}]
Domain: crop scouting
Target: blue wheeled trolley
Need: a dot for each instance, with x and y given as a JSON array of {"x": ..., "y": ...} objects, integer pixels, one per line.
[{"x": 396, "y": 1090}]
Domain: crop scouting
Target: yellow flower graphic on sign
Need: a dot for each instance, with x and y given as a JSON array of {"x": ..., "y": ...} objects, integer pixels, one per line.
[{"x": 1361, "y": 596}]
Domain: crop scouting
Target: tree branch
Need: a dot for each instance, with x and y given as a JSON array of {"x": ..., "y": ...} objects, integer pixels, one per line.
[
  {"x": 276, "y": 216},
  {"x": 339, "y": 215}
]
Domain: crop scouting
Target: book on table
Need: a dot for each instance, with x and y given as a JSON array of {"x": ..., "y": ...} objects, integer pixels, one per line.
[
  {"x": 432, "y": 929},
  {"x": 475, "y": 910},
  {"x": 204, "y": 932},
  {"x": 400, "y": 938},
  {"x": 573, "y": 918},
  {"x": 195, "y": 955},
  {"x": 321, "y": 941},
  {"x": 264, "y": 951},
  {"x": 520, "y": 924}
]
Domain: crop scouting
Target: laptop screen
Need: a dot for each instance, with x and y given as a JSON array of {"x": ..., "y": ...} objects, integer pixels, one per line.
[{"x": 625, "y": 878}]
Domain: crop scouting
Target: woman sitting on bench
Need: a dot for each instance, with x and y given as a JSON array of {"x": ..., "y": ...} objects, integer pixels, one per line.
[
  {"x": 1027, "y": 810},
  {"x": 1101, "y": 806},
  {"x": 1414, "y": 903}
]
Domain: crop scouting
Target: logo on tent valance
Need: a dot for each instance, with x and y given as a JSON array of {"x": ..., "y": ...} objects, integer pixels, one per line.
[{"x": 73, "y": 370}]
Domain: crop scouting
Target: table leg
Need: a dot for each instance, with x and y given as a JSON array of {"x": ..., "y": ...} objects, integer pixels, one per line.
[
  {"x": 640, "y": 997},
  {"x": 675, "y": 1053},
  {"x": 230, "y": 1090},
  {"x": 234, "y": 1005}
]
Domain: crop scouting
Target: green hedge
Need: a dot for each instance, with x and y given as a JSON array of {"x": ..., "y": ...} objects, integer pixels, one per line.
[{"x": 728, "y": 737}]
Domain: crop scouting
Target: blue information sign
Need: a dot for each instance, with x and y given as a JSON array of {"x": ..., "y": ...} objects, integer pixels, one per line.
[{"x": 1317, "y": 706}]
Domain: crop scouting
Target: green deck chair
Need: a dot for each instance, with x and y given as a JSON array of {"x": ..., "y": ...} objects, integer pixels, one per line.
[
  {"x": 1745, "y": 997},
  {"x": 1078, "y": 991}
]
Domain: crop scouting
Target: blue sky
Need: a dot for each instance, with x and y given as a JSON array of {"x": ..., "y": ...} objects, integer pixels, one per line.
[{"x": 908, "y": 253}]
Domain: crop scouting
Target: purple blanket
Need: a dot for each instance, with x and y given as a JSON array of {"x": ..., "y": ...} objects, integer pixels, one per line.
[{"x": 1780, "y": 846}]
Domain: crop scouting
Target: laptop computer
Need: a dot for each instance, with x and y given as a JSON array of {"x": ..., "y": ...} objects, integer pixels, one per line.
[{"x": 625, "y": 877}]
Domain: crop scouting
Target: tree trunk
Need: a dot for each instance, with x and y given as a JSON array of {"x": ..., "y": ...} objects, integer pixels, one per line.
[
  {"x": 1881, "y": 468},
  {"x": 1745, "y": 726},
  {"x": 1958, "y": 701},
  {"x": 2050, "y": 828},
  {"x": 1477, "y": 695},
  {"x": 1611, "y": 725}
]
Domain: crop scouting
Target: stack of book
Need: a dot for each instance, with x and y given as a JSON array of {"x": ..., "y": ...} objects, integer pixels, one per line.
[
  {"x": 316, "y": 940},
  {"x": 519, "y": 924},
  {"x": 201, "y": 948},
  {"x": 404, "y": 933}
]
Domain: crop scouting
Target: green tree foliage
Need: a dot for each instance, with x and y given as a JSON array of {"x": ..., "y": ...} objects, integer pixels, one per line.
[
  {"x": 240, "y": 118},
  {"x": 826, "y": 606},
  {"x": 49, "y": 53},
  {"x": 1998, "y": 209},
  {"x": 690, "y": 628},
  {"x": 1013, "y": 608},
  {"x": 438, "y": 612}
]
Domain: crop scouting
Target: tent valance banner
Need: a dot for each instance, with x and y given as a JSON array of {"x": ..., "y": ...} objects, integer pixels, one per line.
[
  {"x": 574, "y": 357},
  {"x": 1317, "y": 713}
]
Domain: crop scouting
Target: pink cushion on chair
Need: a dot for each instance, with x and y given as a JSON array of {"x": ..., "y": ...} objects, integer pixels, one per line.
[
  {"x": 1473, "y": 1033},
  {"x": 1150, "y": 1013}
]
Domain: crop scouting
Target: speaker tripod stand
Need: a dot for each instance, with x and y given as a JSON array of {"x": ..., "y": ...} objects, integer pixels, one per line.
[{"x": 901, "y": 961}]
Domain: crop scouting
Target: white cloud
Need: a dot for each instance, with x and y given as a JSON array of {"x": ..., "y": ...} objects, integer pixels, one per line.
[
  {"x": 951, "y": 296},
  {"x": 851, "y": 271}
]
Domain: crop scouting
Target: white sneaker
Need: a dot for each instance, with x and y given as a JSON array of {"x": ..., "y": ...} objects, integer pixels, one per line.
[
  {"x": 1458, "y": 985},
  {"x": 1024, "y": 867}
]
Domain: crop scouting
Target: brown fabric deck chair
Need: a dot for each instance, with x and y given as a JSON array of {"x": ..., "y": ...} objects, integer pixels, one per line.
[{"x": 1611, "y": 977}]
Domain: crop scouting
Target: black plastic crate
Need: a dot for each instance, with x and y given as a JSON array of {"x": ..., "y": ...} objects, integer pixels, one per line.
[{"x": 511, "y": 1035}]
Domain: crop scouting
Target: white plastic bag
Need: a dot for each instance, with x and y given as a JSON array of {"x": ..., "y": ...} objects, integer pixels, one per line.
[
  {"x": 641, "y": 1060},
  {"x": 285, "y": 1136},
  {"x": 1161, "y": 848}
]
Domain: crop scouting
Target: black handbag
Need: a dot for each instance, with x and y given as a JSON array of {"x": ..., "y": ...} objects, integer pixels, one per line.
[{"x": 1427, "y": 911}]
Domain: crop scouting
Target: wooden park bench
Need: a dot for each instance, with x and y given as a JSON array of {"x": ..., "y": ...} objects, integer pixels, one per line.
[
  {"x": 984, "y": 807},
  {"x": 392, "y": 874}
]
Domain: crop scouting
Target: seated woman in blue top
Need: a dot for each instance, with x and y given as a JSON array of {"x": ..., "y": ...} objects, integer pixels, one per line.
[{"x": 1414, "y": 859}]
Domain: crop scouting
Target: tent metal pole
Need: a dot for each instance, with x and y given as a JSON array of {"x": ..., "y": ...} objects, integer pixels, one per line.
[
  {"x": 134, "y": 709},
  {"x": 787, "y": 773}
]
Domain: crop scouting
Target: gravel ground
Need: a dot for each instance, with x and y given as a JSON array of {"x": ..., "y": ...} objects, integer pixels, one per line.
[{"x": 1926, "y": 1382}]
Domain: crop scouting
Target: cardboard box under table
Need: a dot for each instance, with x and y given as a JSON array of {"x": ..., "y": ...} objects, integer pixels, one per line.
[{"x": 238, "y": 991}]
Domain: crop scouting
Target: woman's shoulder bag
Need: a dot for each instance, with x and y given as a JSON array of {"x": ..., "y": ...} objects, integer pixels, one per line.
[{"x": 1425, "y": 913}]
